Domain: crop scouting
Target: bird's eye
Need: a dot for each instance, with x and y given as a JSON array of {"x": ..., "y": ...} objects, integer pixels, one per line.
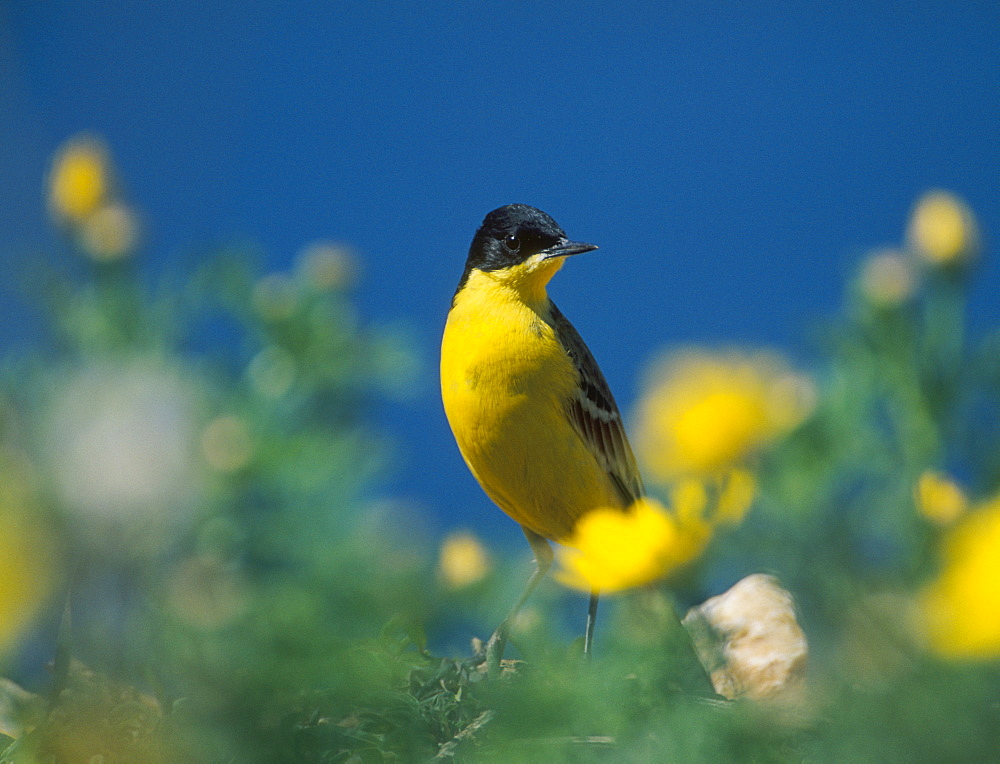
[{"x": 512, "y": 242}]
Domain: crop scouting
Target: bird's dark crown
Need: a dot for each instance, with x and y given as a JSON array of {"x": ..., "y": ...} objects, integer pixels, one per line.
[{"x": 510, "y": 235}]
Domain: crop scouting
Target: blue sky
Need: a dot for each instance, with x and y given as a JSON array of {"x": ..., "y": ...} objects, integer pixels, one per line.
[{"x": 732, "y": 160}]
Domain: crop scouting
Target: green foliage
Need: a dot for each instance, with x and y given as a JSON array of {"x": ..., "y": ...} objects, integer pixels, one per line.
[{"x": 267, "y": 574}]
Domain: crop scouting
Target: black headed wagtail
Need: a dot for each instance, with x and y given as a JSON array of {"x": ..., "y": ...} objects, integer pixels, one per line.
[{"x": 529, "y": 407}]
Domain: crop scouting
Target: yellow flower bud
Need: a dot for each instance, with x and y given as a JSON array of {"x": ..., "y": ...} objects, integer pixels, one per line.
[
  {"x": 939, "y": 499},
  {"x": 463, "y": 561},
  {"x": 689, "y": 499},
  {"x": 943, "y": 229},
  {"x": 739, "y": 488},
  {"x": 79, "y": 180}
]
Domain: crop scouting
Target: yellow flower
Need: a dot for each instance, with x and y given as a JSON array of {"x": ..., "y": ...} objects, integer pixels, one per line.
[
  {"x": 705, "y": 413},
  {"x": 943, "y": 229},
  {"x": 961, "y": 608},
  {"x": 720, "y": 499},
  {"x": 463, "y": 560},
  {"x": 736, "y": 494},
  {"x": 689, "y": 499},
  {"x": 939, "y": 499},
  {"x": 611, "y": 550},
  {"x": 27, "y": 569},
  {"x": 79, "y": 180}
]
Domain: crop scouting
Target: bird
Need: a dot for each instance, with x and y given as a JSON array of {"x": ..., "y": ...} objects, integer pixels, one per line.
[{"x": 531, "y": 412}]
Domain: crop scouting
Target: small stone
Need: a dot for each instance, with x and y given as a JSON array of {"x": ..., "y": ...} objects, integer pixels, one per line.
[{"x": 750, "y": 641}]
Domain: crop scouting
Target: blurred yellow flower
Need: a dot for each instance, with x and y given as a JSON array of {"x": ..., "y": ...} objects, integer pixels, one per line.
[
  {"x": 888, "y": 279},
  {"x": 611, "y": 550},
  {"x": 110, "y": 233},
  {"x": 79, "y": 180},
  {"x": 939, "y": 499},
  {"x": 703, "y": 413},
  {"x": 943, "y": 229},
  {"x": 960, "y": 609},
  {"x": 689, "y": 499},
  {"x": 736, "y": 494},
  {"x": 27, "y": 561},
  {"x": 463, "y": 560}
]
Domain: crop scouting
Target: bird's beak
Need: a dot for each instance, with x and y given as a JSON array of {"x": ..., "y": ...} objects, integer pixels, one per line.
[{"x": 566, "y": 248}]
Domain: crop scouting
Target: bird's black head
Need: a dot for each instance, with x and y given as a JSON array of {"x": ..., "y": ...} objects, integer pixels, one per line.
[{"x": 512, "y": 235}]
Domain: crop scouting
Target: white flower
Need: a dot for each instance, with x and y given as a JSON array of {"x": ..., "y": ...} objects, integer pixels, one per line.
[{"x": 123, "y": 444}]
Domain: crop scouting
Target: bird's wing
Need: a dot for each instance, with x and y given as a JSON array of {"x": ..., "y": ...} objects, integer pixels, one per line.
[{"x": 595, "y": 415}]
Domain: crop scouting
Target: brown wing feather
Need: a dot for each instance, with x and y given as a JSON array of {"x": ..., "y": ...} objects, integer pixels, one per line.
[{"x": 594, "y": 413}]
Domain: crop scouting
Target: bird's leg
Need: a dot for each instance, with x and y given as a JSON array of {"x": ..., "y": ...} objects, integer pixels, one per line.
[
  {"x": 588, "y": 636},
  {"x": 543, "y": 561}
]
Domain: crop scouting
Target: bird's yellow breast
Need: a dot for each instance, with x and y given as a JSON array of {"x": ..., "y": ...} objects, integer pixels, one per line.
[{"x": 506, "y": 382}]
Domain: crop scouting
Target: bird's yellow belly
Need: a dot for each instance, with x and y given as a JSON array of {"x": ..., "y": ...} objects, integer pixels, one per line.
[{"x": 505, "y": 383}]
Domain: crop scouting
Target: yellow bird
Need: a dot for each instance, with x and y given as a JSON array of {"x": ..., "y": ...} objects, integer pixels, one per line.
[{"x": 532, "y": 414}]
